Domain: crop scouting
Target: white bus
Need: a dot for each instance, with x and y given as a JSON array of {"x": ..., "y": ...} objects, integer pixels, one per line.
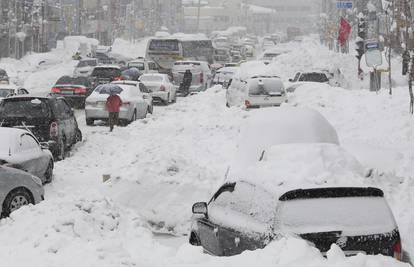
[{"x": 166, "y": 51}]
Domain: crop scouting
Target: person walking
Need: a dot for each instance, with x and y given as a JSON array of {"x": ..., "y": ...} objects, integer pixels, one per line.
[
  {"x": 187, "y": 80},
  {"x": 113, "y": 105}
]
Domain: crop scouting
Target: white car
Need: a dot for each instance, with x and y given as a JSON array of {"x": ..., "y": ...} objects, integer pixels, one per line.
[
  {"x": 145, "y": 91},
  {"x": 256, "y": 92},
  {"x": 143, "y": 65},
  {"x": 317, "y": 76},
  {"x": 224, "y": 75},
  {"x": 134, "y": 105},
  {"x": 161, "y": 87},
  {"x": 201, "y": 74},
  {"x": 10, "y": 90},
  {"x": 85, "y": 67}
]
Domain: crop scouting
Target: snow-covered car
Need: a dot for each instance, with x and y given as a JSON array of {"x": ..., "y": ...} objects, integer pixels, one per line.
[
  {"x": 85, "y": 67},
  {"x": 143, "y": 65},
  {"x": 161, "y": 87},
  {"x": 18, "y": 188},
  {"x": 201, "y": 74},
  {"x": 316, "y": 76},
  {"x": 105, "y": 74},
  {"x": 246, "y": 216},
  {"x": 224, "y": 75},
  {"x": 256, "y": 92},
  {"x": 133, "y": 107},
  {"x": 7, "y": 90},
  {"x": 21, "y": 150},
  {"x": 249, "y": 50},
  {"x": 73, "y": 89}
]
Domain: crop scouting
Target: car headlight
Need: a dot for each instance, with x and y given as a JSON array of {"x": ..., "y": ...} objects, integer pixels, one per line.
[{"x": 37, "y": 180}]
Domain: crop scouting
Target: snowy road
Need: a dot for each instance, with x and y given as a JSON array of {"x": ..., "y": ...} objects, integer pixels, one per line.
[{"x": 161, "y": 165}]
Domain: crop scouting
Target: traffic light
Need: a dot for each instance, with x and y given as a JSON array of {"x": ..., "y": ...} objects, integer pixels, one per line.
[
  {"x": 360, "y": 48},
  {"x": 362, "y": 28}
]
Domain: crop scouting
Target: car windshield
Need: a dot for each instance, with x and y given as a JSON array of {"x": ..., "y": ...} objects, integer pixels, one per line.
[
  {"x": 86, "y": 63},
  {"x": 151, "y": 78},
  {"x": 265, "y": 87},
  {"x": 356, "y": 215},
  {"x": 66, "y": 80},
  {"x": 5, "y": 92},
  {"x": 138, "y": 65},
  {"x": 106, "y": 72},
  {"x": 25, "y": 107},
  {"x": 313, "y": 77}
]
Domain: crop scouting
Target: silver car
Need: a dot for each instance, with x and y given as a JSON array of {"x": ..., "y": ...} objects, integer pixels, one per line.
[
  {"x": 18, "y": 188},
  {"x": 134, "y": 105},
  {"x": 20, "y": 149}
]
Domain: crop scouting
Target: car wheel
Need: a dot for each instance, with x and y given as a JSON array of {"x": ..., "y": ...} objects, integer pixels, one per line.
[
  {"x": 78, "y": 136},
  {"x": 194, "y": 240},
  {"x": 16, "y": 199},
  {"x": 62, "y": 149},
  {"x": 227, "y": 104},
  {"x": 90, "y": 122},
  {"x": 134, "y": 116},
  {"x": 49, "y": 173}
]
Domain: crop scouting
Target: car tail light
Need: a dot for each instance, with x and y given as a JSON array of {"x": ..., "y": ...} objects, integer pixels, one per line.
[
  {"x": 247, "y": 103},
  {"x": 118, "y": 78},
  {"x": 80, "y": 90},
  {"x": 56, "y": 90},
  {"x": 201, "y": 77},
  {"x": 54, "y": 131},
  {"x": 398, "y": 251},
  {"x": 162, "y": 88}
]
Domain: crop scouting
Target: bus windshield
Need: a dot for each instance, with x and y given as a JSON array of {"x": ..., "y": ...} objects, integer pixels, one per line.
[{"x": 164, "y": 45}]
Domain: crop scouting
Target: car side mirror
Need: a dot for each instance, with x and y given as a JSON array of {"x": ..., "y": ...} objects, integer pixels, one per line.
[
  {"x": 200, "y": 208},
  {"x": 44, "y": 145}
]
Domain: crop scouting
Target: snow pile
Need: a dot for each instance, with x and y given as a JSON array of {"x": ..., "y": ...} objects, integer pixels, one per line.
[{"x": 130, "y": 49}]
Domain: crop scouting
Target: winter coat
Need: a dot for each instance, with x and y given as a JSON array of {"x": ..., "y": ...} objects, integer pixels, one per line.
[
  {"x": 188, "y": 78},
  {"x": 113, "y": 103}
]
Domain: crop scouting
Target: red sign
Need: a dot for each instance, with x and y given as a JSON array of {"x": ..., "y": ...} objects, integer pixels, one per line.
[{"x": 344, "y": 31}]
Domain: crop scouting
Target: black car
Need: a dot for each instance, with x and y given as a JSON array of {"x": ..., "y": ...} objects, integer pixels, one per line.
[
  {"x": 3, "y": 76},
  {"x": 74, "y": 89},
  {"x": 105, "y": 74},
  {"x": 242, "y": 216},
  {"x": 50, "y": 119}
]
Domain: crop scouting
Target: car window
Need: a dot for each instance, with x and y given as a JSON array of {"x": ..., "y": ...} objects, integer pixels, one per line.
[
  {"x": 265, "y": 87},
  {"x": 313, "y": 77},
  {"x": 244, "y": 199},
  {"x": 138, "y": 65},
  {"x": 106, "y": 72},
  {"x": 25, "y": 108},
  {"x": 152, "y": 66},
  {"x": 6, "y": 92},
  {"x": 27, "y": 142},
  {"x": 296, "y": 77}
]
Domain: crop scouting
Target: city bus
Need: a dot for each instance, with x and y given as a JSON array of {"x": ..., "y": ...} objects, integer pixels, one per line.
[{"x": 166, "y": 51}]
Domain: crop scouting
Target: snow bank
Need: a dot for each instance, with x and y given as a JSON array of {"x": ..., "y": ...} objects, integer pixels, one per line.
[{"x": 129, "y": 49}]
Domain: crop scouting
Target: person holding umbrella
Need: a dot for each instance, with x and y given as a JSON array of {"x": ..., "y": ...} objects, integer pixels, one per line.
[{"x": 113, "y": 102}]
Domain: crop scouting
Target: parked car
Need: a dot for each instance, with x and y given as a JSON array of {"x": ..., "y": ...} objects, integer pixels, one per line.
[
  {"x": 18, "y": 188},
  {"x": 145, "y": 91},
  {"x": 20, "y": 149},
  {"x": 7, "y": 90},
  {"x": 201, "y": 74},
  {"x": 134, "y": 105},
  {"x": 85, "y": 67},
  {"x": 224, "y": 75},
  {"x": 143, "y": 65},
  {"x": 256, "y": 92},
  {"x": 49, "y": 118},
  {"x": 333, "y": 78},
  {"x": 244, "y": 216},
  {"x": 73, "y": 89},
  {"x": 105, "y": 74},
  {"x": 4, "y": 78},
  {"x": 161, "y": 87}
]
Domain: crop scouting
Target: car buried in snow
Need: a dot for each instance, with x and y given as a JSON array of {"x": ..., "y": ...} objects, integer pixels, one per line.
[
  {"x": 19, "y": 188},
  {"x": 161, "y": 87},
  {"x": 333, "y": 78},
  {"x": 243, "y": 216},
  {"x": 21, "y": 150}
]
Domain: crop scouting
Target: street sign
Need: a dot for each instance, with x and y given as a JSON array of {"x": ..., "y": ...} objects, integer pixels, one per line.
[
  {"x": 373, "y": 54},
  {"x": 344, "y": 5},
  {"x": 371, "y": 45}
]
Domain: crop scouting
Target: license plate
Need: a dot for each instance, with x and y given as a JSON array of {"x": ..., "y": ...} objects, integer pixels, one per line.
[{"x": 67, "y": 92}]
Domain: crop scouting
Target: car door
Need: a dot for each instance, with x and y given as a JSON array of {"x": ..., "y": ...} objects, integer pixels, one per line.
[
  {"x": 253, "y": 211},
  {"x": 31, "y": 155}
]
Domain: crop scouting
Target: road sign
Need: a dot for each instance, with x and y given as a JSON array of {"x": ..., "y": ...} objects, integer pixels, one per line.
[
  {"x": 372, "y": 45},
  {"x": 344, "y": 5},
  {"x": 373, "y": 54}
]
